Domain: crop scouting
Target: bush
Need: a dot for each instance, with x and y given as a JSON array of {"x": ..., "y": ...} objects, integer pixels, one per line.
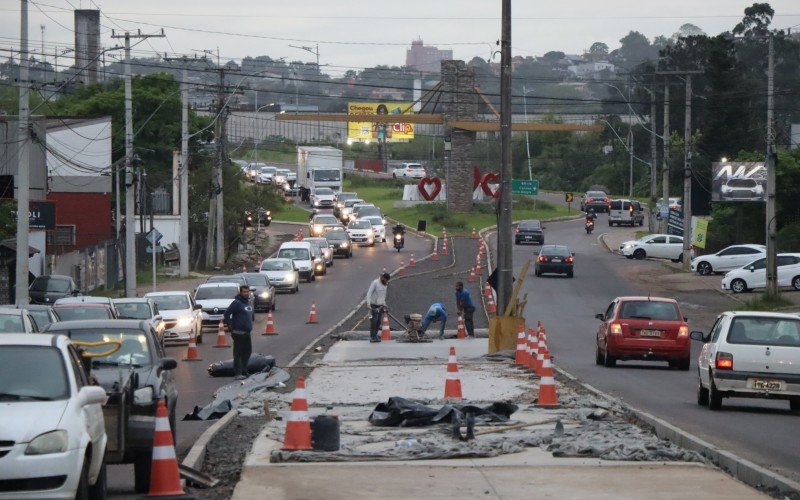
[
  {"x": 789, "y": 238},
  {"x": 440, "y": 215}
]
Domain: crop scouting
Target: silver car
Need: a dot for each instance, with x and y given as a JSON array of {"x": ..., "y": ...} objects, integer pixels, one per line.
[{"x": 282, "y": 273}]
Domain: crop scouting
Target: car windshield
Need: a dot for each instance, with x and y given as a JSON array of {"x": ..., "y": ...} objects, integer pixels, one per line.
[
  {"x": 216, "y": 292},
  {"x": 227, "y": 279},
  {"x": 47, "y": 284},
  {"x": 254, "y": 279},
  {"x": 133, "y": 345},
  {"x": 742, "y": 183},
  {"x": 765, "y": 331},
  {"x": 269, "y": 170},
  {"x": 556, "y": 251},
  {"x": 376, "y": 221},
  {"x": 41, "y": 317},
  {"x": 350, "y": 203},
  {"x": 326, "y": 219},
  {"x": 327, "y": 175},
  {"x": 595, "y": 194},
  {"x": 133, "y": 310},
  {"x": 171, "y": 302},
  {"x": 11, "y": 323},
  {"x": 359, "y": 224},
  {"x": 78, "y": 313},
  {"x": 32, "y": 373},
  {"x": 650, "y": 309},
  {"x": 293, "y": 253},
  {"x": 276, "y": 265},
  {"x": 324, "y": 191}
]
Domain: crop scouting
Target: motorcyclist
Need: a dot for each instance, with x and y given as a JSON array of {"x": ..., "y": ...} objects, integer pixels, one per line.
[
  {"x": 399, "y": 229},
  {"x": 591, "y": 215}
]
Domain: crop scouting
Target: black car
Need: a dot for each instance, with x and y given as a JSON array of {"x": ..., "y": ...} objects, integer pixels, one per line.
[
  {"x": 597, "y": 200},
  {"x": 339, "y": 242},
  {"x": 555, "y": 259},
  {"x": 529, "y": 231},
  {"x": 48, "y": 289},
  {"x": 135, "y": 378},
  {"x": 262, "y": 291}
]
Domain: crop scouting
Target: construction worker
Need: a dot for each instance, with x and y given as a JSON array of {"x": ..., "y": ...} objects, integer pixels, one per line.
[
  {"x": 376, "y": 299},
  {"x": 435, "y": 313},
  {"x": 239, "y": 318},
  {"x": 465, "y": 307}
]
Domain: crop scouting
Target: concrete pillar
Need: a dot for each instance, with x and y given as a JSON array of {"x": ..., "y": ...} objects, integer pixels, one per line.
[{"x": 460, "y": 103}]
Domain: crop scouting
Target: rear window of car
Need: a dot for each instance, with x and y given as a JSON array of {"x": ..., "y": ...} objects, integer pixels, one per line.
[
  {"x": 293, "y": 253},
  {"x": 79, "y": 313},
  {"x": 765, "y": 331},
  {"x": 595, "y": 194},
  {"x": 556, "y": 251},
  {"x": 11, "y": 324},
  {"x": 648, "y": 309},
  {"x": 620, "y": 205},
  {"x": 216, "y": 292},
  {"x": 171, "y": 302},
  {"x": 530, "y": 225},
  {"x": 325, "y": 219}
]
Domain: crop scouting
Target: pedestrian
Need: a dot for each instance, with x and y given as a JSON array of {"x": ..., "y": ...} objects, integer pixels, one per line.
[
  {"x": 465, "y": 307},
  {"x": 239, "y": 318},
  {"x": 376, "y": 299},
  {"x": 435, "y": 313}
]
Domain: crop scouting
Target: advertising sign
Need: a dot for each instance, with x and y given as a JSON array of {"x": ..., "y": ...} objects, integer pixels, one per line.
[
  {"x": 699, "y": 232},
  {"x": 675, "y": 222},
  {"x": 371, "y": 131},
  {"x": 42, "y": 214},
  {"x": 739, "y": 181}
]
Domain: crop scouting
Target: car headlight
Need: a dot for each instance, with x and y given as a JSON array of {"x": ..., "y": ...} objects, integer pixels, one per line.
[
  {"x": 184, "y": 322},
  {"x": 383, "y": 221},
  {"x": 288, "y": 276},
  {"x": 343, "y": 245},
  {"x": 264, "y": 295},
  {"x": 49, "y": 442},
  {"x": 143, "y": 396}
]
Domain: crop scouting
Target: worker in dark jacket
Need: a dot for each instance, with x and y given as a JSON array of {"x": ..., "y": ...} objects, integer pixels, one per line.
[
  {"x": 465, "y": 307},
  {"x": 239, "y": 318}
]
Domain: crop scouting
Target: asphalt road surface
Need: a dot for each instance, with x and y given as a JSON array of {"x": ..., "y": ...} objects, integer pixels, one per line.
[
  {"x": 764, "y": 432},
  {"x": 335, "y": 294}
]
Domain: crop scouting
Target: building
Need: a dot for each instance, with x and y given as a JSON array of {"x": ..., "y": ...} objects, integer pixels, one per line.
[
  {"x": 591, "y": 69},
  {"x": 87, "y": 45},
  {"x": 426, "y": 59}
]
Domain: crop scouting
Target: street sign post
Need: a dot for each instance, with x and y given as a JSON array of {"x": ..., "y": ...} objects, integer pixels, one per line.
[
  {"x": 568, "y": 197},
  {"x": 154, "y": 237},
  {"x": 524, "y": 187}
]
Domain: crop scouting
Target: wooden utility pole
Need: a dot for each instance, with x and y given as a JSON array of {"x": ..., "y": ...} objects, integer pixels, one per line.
[
  {"x": 771, "y": 164},
  {"x": 505, "y": 262},
  {"x": 665, "y": 164}
]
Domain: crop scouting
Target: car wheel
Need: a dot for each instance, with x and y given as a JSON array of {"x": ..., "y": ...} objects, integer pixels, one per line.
[
  {"x": 629, "y": 256},
  {"x": 537, "y": 273},
  {"x": 639, "y": 254},
  {"x": 704, "y": 268},
  {"x": 82, "y": 493},
  {"x": 680, "y": 258},
  {"x": 570, "y": 274},
  {"x": 609, "y": 361},
  {"x": 296, "y": 289},
  {"x": 738, "y": 286},
  {"x": 702, "y": 394},
  {"x": 141, "y": 472},
  {"x": 796, "y": 283},
  {"x": 714, "y": 396},
  {"x": 599, "y": 359}
]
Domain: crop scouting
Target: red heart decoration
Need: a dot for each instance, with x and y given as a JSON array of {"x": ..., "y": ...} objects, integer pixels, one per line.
[
  {"x": 423, "y": 190},
  {"x": 493, "y": 179},
  {"x": 476, "y": 178}
]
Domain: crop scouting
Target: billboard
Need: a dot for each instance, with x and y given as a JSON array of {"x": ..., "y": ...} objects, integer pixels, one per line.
[
  {"x": 370, "y": 131},
  {"x": 739, "y": 181}
]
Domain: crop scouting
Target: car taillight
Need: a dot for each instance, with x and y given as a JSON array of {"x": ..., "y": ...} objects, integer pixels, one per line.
[
  {"x": 542, "y": 258},
  {"x": 683, "y": 331},
  {"x": 569, "y": 260},
  {"x": 589, "y": 200},
  {"x": 724, "y": 361},
  {"x": 516, "y": 231},
  {"x": 616, "y": 328},
  {"x": 607, "y": 200}
]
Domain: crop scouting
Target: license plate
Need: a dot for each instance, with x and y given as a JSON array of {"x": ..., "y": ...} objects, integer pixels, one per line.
[
  {"x": 528, "y": 237},
  {"x": 555, "y": 260},
  {"x": 766, "y": 385},
  {"x": 650, "y": 333}
]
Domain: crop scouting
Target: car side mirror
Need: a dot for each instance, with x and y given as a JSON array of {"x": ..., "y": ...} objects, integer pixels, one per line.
[
  {"x": 600, "y": 316},
  {"x": 91, "y": 394},
  {"x": 158, "y": 317},
  {"x": 168, "y": 364},
  {"x": 752, "y": 269},
  {"x": 697, "y": 335},
  {"x": 75, "y": 293},
  {"x": 197, "y": 307}
]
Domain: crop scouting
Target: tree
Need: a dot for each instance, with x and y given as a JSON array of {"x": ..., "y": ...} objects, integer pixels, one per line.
[
  {"x": 635, "y": 49},
  {"x": 756, "y": 20},
  {"x": 686, "y": 30},
  {"x": 598, "y": 52}
]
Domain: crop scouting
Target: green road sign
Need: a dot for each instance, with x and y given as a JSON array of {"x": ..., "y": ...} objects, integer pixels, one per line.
[{"x": 529, "y": 188}]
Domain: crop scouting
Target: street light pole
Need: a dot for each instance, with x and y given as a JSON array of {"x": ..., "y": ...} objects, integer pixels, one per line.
[
  {"x": 505, "y": 260},
  {"x": 23, "y": 166}
]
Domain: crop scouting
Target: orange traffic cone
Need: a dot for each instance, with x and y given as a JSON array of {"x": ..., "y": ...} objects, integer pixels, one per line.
[
  {"x": 452, "y": 385},
  {"x": 461, "y": 333},
  {"x": 478, "y": 267},
  {"x": 298, "y": 428},
  {"x": 222, "y": 340},
  {"x": 165, "y": 480},
  {"x": 411, "y": 262},
  {"x": 312, "y": 316},
  {"x": 270, "y": 328},
  {"x": 538, "y": 325},
  {"x": 519, "y": 358},
  {"x": 191, "y": 351},
  {"x": 435, "y": 256},
  {"x": 491, "y": 308},
  {"x": 547, "y": 386},
  {"x": 541, "y": 350},
  {"x": 444, "y": 246},
  {"x": 472, "y": 278},
  {"x": 487, "y": 290},
  {"x": 386, "y": 331},
  {"x": 530, "y": 349},
  {"x": 474, "y": 234},
  {"x": 402, "y": 268}
]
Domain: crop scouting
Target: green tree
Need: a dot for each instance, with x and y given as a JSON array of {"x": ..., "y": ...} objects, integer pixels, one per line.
[{"x": 756, "y": 20}]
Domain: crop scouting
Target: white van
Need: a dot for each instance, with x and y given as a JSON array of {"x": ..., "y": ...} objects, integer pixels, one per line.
[
  {"x": 628, "y": 212},
  {"x": 305, "y": 257}
]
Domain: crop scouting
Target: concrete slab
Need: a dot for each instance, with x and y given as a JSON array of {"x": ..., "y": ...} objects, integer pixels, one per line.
[{"x": 351, "y": 351}]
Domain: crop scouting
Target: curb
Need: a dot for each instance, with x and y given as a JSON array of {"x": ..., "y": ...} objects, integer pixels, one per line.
[
  {"x": 197, "y": 454},
  {"x": 739, "y": 468}
]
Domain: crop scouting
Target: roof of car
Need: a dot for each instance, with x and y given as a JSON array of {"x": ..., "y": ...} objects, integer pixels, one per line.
[
  {"x": 84, "y": 299},
  {"x": 217, "y": 284},
  {"x": 82, "y": 304},
  {"x": 295, "y": 244},
  {"x": 763, "y": 314},
  {"x": 630, "y": 298},
  {"x": 281, "y": 259},
  {"x": 145, "y": 300},
  {"x": 41, "y": 339},
  {"x": 36, "y": 307},
  {"x": 55, "y": 277},
  {"x": 10, "y": 311},
  {"x": 87, "y": 324},
  {"x": 165, "y": 293}
]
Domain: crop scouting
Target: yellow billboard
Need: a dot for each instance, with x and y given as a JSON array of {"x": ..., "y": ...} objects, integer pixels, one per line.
[{"x": 370, "y": 131}]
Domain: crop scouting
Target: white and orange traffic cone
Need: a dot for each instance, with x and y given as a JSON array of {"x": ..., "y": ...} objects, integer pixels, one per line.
[
  {"x": 487, "y": 290},
  {"x": 452, "y": 384},
  {"x": 386, "y": 331},
  {"x": 533, "y": 349},
  {"x": 411, "y": 261},
  {"x": 435, "y": 256},
  {"x": 519, "y": 358},
  {"x": 222, "y": 340},
  {"x": 547, "y": 386},
  {"x": 244, "y": 269},
  {"x": 474, "y": 234},
  {"x": 165, "y": 479},
  {"x": 478, "y": 267},
  {"x": 472, "y": 278},
  {"x": 298, "y": 428},
  {"x": 270, "y": 328},
  {"x": 312, "y": 315},
  {"x": 461, "y": 333},
  {"x": 191, "y": 351},
  {"x": 402, "y": 268},
  {"x": 444, "y": 245},
  {"x": 491, "y": 308},
  {"x": 541, "y": 350}
]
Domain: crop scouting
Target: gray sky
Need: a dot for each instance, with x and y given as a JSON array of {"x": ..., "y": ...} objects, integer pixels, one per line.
[{"x": 362, "y": 34}]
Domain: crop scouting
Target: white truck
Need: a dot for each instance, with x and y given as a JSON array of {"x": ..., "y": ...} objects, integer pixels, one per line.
[{"x": 319, "y": 166}]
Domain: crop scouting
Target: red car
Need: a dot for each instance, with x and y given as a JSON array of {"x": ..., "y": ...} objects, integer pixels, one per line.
[{"x": 643, "y": 328}]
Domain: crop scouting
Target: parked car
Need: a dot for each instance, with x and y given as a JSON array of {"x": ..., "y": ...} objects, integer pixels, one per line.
[
  {"x": 742, "y": 189},
  {"x": 141, "y": 308},
  {"x": 282, "y": 273},
  {"x": 135, "y": 379},
  {"x": 361, "y": 232},
  {"x": 52, "y": 431},
  {"x": 84, "y": 311},
  {"x": 643, "y": 328},
  {"x": 346, "y": 213},
  {"x": 13, "y": 320},
  {"x": 182, "y": 316},
  {"x": 262, "y": 291},
  {"x": 529, "y": 231},
  {"x": 556, "y": 259},
  {"x": 378, "y": 225},
  {"x": 754, "y": 274},
  {"x": 409, "y": 170},
  {"x": 628, "y": 212},
  {"x": 656, "y": 246},
  {"x": 42, "y": 314},
  {"x": 598, "y": 200},
  {"x": 214, "y": 299},
  {"x": 300, "y": 253},
  {"x": 339, "y": 243},
  {"x": 322, "y": 197},
  {"x": 319, "y": 222},
  {"x": 727, "y": 259},
  {"x": 48, "y": 289},
  {"x": 750, "y": 355},
  {"x": 324, "y": 248},
  {"x": 662, "y": 209},
  {"x": 267, "y": 175}
]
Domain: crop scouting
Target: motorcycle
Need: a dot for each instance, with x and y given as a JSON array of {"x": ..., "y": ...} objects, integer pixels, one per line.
[
  {"x": 589, "y": 226},
  {"x": 399, "y": 237}
]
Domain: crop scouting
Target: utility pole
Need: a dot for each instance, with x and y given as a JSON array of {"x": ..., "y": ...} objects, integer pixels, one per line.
[
  {"x": 770, "y": 163},
  {"x": 687, "y": 177},
  {"x": 630, "y": 142},
  {"x": 665, "y": 167},
  {"x": 653, "y": 148},
  {"x": 220, "y": 133},
  {"x": 130, "y": 230},
  {"x": 23, "y": 180},
  {"x": 505, "y": 263},
  {"x": 527, "y": 134}
]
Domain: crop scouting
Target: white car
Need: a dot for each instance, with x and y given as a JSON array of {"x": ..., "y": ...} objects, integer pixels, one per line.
[
  {"x": 410, "y": 171},
  {"x": 253, "y": 170},
  {"x": 214, "y": 299},
  {"x": 378, "y": 226},
  {"x": 740, "y": 188},
  {"x": 267, "y": 175},
  {"x": 754, "y": 274},
  {"x": 282, "y": 273},
  {"x": 182, "y": 316},
  {"x": 361, "y": 232},
  {"x": 52, "y": 432},
  {"x": 728, "y": 258},
  {"x": 656, "y": 246},
  {"x": 281, "y": 176},
  {"x": 346, "y": 211},
  {"x": 302, "y": 254},
  {"x": 323, "y": 197},
  {"x": 751, "y": 355}
]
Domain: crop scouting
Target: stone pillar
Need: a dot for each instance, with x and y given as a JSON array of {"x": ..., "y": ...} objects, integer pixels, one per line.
[{"x": 460, "y": 102}]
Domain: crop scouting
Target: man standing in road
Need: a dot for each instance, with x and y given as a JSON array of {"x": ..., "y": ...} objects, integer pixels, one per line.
[
  {"x": 465, "y": 307},
  {"x": 239, "y": 318},
  {"x": 376, "y": 299},
  {"x": 435, "y": 313}
]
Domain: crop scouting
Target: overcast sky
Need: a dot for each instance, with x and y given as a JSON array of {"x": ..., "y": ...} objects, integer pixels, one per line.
[{"x": 363, "y": 34}]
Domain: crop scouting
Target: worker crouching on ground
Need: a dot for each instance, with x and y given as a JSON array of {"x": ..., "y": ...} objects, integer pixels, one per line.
[
  {"x": 435, "y": 313},
  {"x": 465, "y": 307}
]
